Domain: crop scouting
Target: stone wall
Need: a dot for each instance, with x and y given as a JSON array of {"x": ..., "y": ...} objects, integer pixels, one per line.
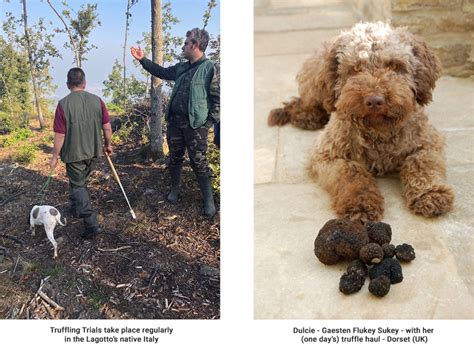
[{"x": 447, "y": 26}]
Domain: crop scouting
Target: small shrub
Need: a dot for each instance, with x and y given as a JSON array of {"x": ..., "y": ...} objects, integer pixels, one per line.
[
  {"x": 145, "y": 135},
  {"x": 48, "y": 139},
  {"x": 214, "y": 157},
  {"x": 17, "y": 136},
  {"x": 124, "y": 132},
  {"x": 25, "y": 153},
  {"x": 53, "y": 271},
  {"x": 115, "y": 109},
  {"x": 7, "y": 124},
  {"x": 96, "y": 296}
]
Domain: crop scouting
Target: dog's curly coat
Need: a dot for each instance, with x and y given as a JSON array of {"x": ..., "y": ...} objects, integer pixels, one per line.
[{"x": 376, "y": 79}]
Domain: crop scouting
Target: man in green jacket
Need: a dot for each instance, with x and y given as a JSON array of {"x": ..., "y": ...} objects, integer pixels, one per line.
[
  {"x": 80, "y": 120},
  {"x": 194, "y": 107}
]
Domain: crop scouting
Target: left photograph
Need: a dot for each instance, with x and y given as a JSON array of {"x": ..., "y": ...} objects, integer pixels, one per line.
[{"x": 110, "y": 159}]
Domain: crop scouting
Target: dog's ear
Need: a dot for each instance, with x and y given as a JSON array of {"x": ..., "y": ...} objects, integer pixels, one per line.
[
  {"x": 317, "y": 78},
  {"x": 426, "y": 72}
]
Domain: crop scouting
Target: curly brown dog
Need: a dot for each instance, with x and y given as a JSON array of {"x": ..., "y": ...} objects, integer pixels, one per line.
[{"x": 376, "y": 79}]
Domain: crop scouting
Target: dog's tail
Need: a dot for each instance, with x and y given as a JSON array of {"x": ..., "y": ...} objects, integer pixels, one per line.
[
  {"x": 58, "y": 218},
  {"x": 294, "y": 112}
]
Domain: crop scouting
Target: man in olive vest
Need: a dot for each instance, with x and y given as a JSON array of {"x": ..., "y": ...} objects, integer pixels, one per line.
[
  {"x": 193, "y": 107},
  {"x": 80, "y": 120}
]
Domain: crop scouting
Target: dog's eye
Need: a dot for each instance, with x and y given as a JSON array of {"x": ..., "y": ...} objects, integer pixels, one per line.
[
  {"x": 356, "y": 69},
  {"x": 397, "y": 66}
]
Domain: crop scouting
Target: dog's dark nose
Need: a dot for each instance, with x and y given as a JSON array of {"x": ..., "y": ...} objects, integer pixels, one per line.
[{"x": 374, "y": 102}]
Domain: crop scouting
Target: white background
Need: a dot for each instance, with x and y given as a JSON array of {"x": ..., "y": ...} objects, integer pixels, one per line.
[{"x": 236, "y": 330}]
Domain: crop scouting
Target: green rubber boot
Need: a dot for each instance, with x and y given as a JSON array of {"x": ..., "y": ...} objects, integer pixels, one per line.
[
  {"x": 206, "y": 189},
  {"x": 175, "y": 173}
]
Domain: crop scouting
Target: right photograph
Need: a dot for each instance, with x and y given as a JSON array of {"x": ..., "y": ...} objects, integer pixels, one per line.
[{"x": 363, "y": 159}]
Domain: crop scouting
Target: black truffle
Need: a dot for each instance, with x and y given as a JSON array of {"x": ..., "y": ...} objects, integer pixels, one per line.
[
  {"x": 371, "y": 253},
  {"x": 389, "y": 267},
  {"x": 357, "y": 266},
  {"x": 340, "y": 239},
  {"x": 380, "y": 286},
  {"x": 351, "y": 282},
  {"x": 388, "y": 250},
  {"x": 405, "y": 253},
  {"x": 379, "y": 232}
]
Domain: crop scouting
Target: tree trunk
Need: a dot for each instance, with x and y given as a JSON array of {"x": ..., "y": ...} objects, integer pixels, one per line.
[
  {"x": 71, "y": 38},
  {"x": 124, "y": 57},
  {"x": 32, "y": 69},
  {"x": 156, "y": 135}
]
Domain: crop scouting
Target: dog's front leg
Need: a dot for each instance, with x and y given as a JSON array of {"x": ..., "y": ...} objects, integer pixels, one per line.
[
  {"x": 305, "y": 116},
  {"x": 353, "y": 190},
  {"x": 423, "y": 180}
]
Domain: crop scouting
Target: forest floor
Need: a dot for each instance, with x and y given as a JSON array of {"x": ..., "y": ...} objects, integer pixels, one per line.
[{"x": 163, "y": 265}]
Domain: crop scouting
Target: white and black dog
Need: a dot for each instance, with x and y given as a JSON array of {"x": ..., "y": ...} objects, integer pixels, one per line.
[{"x": 49, "y": 217}]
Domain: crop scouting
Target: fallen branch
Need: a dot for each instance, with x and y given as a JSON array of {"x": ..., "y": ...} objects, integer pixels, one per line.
[
  {"x": 43, "y": 281},
  {"x": 16, "y": 264},
  {"x": 49, "y": 300},
  {"x": 13, "y": 238},
  {"x": 113, "y": 249},
  {"x": 21, "y": 311},
  {"x": 10, "y": 198},
  {"x": 153, "y": 276}
]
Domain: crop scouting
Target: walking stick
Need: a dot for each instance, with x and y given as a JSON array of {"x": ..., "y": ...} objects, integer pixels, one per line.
[{"x": 120, "y": 184}]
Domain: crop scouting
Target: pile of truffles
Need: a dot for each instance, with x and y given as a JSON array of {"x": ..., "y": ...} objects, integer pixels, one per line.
[{"x": 369, "y": 250}]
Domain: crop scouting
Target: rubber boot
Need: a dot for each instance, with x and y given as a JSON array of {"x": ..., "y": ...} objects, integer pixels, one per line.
[
  {"x": 82, "y": 202},
  {"x": 206, "y": 189},
  {"x": 175, "y": 174}
]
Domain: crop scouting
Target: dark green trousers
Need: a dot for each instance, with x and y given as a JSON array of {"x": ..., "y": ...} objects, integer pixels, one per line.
[
  {"x": 180, "y": 139},
  {"x": 78, "y": 174}
]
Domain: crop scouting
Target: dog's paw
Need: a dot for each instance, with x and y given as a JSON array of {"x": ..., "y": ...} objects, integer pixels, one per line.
[
  {"x": 362, "y": 208},
  {"x": 278, "y": 117},
  {"x": 434, "y": 202}
]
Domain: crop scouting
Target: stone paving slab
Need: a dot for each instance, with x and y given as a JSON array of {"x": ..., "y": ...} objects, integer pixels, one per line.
[
  {"x": 453, "y": 104},
  {"x": 291, "y": 284}
]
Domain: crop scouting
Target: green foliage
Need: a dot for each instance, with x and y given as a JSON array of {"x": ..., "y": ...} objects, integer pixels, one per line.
[
  {"x": 122, "y": 135},
  {"x": 144, "y": 135},
  {"x": 7, "y": 123},
  {"x": 87, "y": 18},
  {"x": 52, "y": 271},
  {"x": 215, "y": 45},
  {"x": 207, "y": 14},
  {"x": 25, "y": 153},
  {"x": 136, "y": 89},
  {"x": 48, "y": 139},
  {"x": 115, "y": 109},
  {"x": 42, "y": 49},
  {"x": 214, "y": 157},
  {"x": 15, "y": 93},
  {"x": 16, "y": 137},
  {"x": 171, "y": 44},
  {"x": 40, "y": 46},
  {"x": 96, "y": 296},
  {"x": 114, "y": 85},
  {"x": 10, "y": 122}
]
